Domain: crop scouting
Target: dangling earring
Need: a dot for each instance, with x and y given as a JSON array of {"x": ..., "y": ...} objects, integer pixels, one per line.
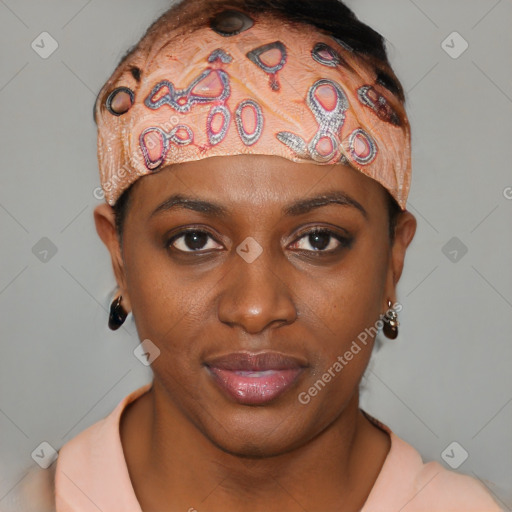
[
  {"x": 117, "y": 314},
  {"x": 391, "y": 322}
]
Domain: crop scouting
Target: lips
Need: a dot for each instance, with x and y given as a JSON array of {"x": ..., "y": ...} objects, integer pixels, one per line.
[{"x": 254, "y": 379}]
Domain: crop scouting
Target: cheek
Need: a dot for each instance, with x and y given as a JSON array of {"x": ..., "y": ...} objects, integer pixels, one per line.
[
  {"x": 166, "y": 308},
  {"x": 168, "y": 313},
  {"x": 341, "y": 318},
  {"x": 351, "y": 296},
  {"x": 341, "y": 311}
]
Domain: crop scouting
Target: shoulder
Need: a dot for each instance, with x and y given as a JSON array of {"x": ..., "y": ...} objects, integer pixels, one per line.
[
  {"x": 92, "y": 463},
  {"x": 438, "y": 488},
  {"x": 79, "y": 462},
  {"x": 409, "y": 484}
]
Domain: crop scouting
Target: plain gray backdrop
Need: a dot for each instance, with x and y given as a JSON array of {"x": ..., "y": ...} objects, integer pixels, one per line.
[{"x": 446, "y": 379}]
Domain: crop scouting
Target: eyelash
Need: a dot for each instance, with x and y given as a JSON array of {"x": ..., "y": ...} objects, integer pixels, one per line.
[{"x": 344, "y": 241}]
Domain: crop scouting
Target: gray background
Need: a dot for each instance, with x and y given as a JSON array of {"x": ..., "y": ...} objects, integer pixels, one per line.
[{"x": 447, "y": 378}]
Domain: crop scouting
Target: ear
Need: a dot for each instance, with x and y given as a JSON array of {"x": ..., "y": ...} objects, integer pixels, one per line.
[
  {"x": 104, "y": 218},
  {"x": 404, "y": 233}
]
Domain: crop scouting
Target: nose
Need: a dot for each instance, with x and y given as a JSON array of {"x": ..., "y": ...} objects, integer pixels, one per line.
[{"x": 256, "y": 295}]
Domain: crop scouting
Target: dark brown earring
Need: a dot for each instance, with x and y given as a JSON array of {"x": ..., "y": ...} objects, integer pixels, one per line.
[
  {"x": 391, "y": 322},
  {"x": 117, "y": 314}
]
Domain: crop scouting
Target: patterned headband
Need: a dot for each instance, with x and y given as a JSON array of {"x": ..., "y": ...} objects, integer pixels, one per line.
[{"x": 244, "y": 85}]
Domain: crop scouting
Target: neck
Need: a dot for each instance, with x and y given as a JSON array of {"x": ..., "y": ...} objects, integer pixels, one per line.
[{"x": 172, "y": 461}]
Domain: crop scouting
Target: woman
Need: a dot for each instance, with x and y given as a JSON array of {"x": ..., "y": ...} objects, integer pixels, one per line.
[{"x": 255, "y": 158}]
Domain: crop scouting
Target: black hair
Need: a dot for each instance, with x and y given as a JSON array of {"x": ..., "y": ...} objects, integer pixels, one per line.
[
  {"x": 121, "y": 210},
  {"x": 331, "y": 17}
]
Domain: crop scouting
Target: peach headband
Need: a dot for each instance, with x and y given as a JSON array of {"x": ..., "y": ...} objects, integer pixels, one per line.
[{"x": 250, "y": 86}]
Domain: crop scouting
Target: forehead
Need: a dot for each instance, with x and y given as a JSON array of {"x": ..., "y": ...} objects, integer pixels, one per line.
[{"x": 254, "y": 182}]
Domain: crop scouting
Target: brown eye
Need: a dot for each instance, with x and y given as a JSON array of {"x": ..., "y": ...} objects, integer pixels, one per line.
[
  {"x": 191, "y": 240},
  {"x": 323, "y": 241},
  {"x": 231, "y": 23},
  {"x": 119, "y": 101}
]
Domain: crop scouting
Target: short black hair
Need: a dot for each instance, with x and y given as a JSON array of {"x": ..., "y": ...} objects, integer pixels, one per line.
[
  {"x": 121, "y": 210},
  {"x": 331, "y": 17}
]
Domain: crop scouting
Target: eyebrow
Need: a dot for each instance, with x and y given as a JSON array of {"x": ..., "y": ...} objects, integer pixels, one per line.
[
  {"x": 299, "y": 207},
  {"x": 179, "y": 201},
  {"x": 303, "y": 206}
]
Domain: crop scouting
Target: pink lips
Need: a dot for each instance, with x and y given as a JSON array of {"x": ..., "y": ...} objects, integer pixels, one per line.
[{"x": 255, "y": 378}]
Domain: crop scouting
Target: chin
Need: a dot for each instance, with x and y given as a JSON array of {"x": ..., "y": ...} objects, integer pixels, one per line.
[
  {"x": 255, "y": 447},
  {"x": 256, "y": 432}
]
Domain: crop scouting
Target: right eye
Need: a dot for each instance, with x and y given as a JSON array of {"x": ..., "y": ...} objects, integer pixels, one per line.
[{"x": 191, "y": 240}]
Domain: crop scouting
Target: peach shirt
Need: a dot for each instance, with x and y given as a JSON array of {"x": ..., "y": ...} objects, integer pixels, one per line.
[{"x": 92, "y": 475}]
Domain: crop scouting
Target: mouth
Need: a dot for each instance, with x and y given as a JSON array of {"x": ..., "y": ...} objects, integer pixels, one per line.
[{"x": 255, "y": 379}]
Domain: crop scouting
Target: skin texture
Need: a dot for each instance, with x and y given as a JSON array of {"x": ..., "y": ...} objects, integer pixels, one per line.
[{"x": 188, "y": 445}]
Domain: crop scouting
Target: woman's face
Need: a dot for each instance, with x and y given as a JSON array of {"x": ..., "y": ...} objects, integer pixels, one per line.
[{"x": 252, "y": 276}]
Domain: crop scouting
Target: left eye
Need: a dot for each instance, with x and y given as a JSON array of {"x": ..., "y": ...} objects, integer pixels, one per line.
[{"x": 322, "y": 240}]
